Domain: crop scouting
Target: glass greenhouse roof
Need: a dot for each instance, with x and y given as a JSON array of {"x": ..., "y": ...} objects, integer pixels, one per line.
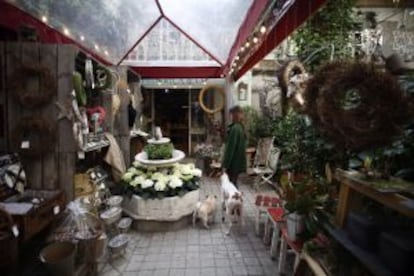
[{"x": 147, "y": 32}]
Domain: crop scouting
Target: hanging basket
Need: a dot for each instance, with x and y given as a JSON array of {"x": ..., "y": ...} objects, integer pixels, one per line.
[
  {"x": 220, "y": 91},
  {"x": 32, "y": 97},
  {"x": 34, "y": 136},
  {"x": 356, "y": 105}
]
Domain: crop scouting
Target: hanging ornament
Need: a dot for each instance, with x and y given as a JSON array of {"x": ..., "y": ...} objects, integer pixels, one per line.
[{"x": 89, "y": 80}]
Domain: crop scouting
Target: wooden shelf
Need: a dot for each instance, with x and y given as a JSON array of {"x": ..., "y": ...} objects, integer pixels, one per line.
[
  {"x": 352, "y": 184},
  {"x": 371, "y": 261}
]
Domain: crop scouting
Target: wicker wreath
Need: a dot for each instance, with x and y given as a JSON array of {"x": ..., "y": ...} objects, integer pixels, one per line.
[
  {"x": 204, "y": 91},
  {"x": 355, "y": 105},
  {"x": 34, "y": 136},
  {"x": 292, "y": 67},
  {"x": 24, "y": 95}
]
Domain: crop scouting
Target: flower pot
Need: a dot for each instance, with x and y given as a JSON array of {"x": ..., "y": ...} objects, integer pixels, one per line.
[
  {"x": 295, "y": 225},
  {"x": 59, "y": 258}
]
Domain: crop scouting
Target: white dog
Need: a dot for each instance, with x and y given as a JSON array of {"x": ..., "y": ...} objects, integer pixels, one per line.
[
  {"x": 205, "y": 210},
  {"x": 232, "y": 203}
]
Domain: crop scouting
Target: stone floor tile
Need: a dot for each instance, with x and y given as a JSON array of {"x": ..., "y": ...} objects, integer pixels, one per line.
[
  {"x": 192, "y": 272},
  {"x": 255, "y": 270},
  {"x": 177, "y": 272},
  {"x": 239, "y": 270},
  {"x": 224, "y": 271},
  {"x": 207, "y": 262},
  {"x": 251, "y": 261},
  {"x": 161, "y": 272},
  {"x": 208, "y": 271}
]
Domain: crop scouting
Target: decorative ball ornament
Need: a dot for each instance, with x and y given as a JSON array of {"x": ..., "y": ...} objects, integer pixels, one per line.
[
  {"x": 213, "y": 88},
  {"x": 356, "y": 105}
]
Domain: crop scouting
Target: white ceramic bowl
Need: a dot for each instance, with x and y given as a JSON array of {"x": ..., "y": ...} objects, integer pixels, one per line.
[
  {"x": 124, "y": 224},
  {"x": 114, "y": 201},
  {"x": 111, "y": 215},
  {"x": 118, "y": 243}
]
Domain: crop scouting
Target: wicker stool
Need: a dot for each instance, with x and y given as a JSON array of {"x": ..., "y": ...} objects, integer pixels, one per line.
[{"x": 263, "y": 202}]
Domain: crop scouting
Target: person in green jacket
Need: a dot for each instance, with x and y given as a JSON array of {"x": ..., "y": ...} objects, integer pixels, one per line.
[{"x": 234, "y": 159}]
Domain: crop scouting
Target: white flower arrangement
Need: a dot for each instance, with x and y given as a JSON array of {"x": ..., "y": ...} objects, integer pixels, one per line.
[{"x": 152, "y": 182}]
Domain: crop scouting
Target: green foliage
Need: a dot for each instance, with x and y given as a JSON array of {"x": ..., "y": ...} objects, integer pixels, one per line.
[
  {"x": 331, "y": 25},
  {"x": 257, "y": 125},
  {"x": 303, "y": 149},
  {"x": 159, "y": 151}
]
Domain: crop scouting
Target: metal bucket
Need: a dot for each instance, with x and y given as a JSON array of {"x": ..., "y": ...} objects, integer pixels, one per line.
[
  {"x": 295, "y": 225},
  {"x": 59, "y": 258}
]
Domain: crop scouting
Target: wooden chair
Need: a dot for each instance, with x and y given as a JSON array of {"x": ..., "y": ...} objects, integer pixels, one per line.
[
  {"x": 266, "y": 173},
  {"x": 294, "y": 245}
]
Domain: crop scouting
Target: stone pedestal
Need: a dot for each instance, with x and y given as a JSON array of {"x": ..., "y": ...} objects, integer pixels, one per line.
[{"x": 165, "y": 214}]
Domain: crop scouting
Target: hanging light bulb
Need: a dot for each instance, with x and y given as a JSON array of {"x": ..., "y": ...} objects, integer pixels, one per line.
[
  {"x": 106, "y": 52},
  {"x": 242, "y": 48},
  {"x": 66, "y": 31},
  {"x": 237, "y": 57},
  {"x": 262, "y": 29},
  {"x": 82, "y": 38},
  {"x": 255, "y": 40},
  {"x": 96, "y": 47},
  {"x": 44, "y": 19},
  {"x": 247, "y": 44}
]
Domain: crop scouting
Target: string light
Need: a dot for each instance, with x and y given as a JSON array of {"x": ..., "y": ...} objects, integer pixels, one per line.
[
  {"x": 82, "y": 38},
  {"x": 66, "y": 31},
  {"x": 242, "y": 48},
  {"x": 106, "y": 52},
  {"x": 44, "y": 19},
  {"x": 255, "y": 40},
  {"x": 96, "y": 47},
  {"x": 247, "y": 44},
  {"x": 237, "y": 57},
  {"x": 262, "y": 29}
]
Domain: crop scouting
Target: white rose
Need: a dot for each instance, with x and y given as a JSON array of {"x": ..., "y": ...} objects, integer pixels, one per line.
[
  {"x": 197, "y": 172},
  {"x": 160, "y": 186},
  {"x": 175, "y": 182},
  {"x": 148, "y": 183},
  {"x": 186, "y": 170},
  {"x": 136, "y": 164},
  {"x": 157, "y": 176}
]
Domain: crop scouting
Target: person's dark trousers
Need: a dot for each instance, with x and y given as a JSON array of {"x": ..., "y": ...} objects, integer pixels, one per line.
[{"x": 233, "y": 178}]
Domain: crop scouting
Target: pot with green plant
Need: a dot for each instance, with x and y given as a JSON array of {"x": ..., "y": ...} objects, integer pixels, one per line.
[{"x": 307, "y": 203}]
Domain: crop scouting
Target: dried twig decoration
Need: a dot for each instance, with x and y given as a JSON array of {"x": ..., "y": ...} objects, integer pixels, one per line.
[
  {"x": 356, "y": 105},
  {"x": 33, "y": 97}
]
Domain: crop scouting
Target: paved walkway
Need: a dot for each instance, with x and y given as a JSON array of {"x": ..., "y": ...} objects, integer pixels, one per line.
[{"x": 198, "y": 251}]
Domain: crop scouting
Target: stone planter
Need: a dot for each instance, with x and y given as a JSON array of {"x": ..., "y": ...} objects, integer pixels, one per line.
[
  {"x": 295, "y": 225},
  {"x": 155, "y": 214}
]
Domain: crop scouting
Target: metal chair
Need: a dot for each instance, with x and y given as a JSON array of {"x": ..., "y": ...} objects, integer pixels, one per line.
[{"x": 266, "y": 173}]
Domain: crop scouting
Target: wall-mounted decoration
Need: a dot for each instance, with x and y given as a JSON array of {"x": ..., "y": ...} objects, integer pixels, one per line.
[
  {"x": 242, "y": 91},
  {"x": 356, "y": 105},
  {"x": 27, "y": 75}
]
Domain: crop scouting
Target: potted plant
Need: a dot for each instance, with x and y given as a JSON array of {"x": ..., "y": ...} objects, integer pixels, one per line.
[{"x": 306, "y": 203}]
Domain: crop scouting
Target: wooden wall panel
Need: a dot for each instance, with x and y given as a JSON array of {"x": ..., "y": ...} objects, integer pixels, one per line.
[{"x": 55, "y": 170}]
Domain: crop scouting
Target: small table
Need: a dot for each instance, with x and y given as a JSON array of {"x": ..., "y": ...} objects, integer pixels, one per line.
[
  {"x": 263, "y": 202},
  {"x": 274, "y": 218},
  {"x": 295, "y": 245}
]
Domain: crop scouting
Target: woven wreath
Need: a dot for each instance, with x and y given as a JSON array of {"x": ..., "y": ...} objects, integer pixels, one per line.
[
  {"x": 34, "y": 136},
  {"x": 206, "y": 89},
  {"x": 32, "y": 97},
  {"x": 356, "y": 105}
]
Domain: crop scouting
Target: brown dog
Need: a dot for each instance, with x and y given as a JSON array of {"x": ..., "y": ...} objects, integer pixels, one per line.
[{"x": 205, "y": 210}]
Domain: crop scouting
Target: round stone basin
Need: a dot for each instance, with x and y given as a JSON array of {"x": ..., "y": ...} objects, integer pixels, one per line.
[{"x": 161, "y": 214}]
